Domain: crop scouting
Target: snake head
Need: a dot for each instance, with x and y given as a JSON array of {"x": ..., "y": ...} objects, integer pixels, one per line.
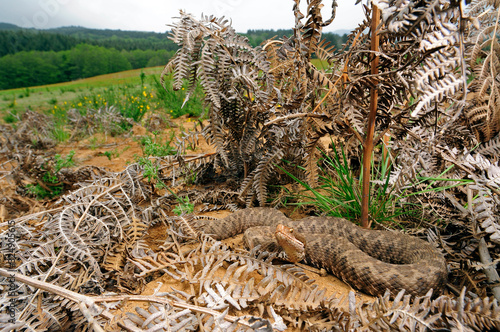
[{"x": 292, "y": 242}]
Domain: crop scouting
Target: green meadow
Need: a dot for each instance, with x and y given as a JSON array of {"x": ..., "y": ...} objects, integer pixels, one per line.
[{"x": 133, "y": 92}]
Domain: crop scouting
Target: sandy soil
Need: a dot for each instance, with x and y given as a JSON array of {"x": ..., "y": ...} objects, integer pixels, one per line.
[
  {"x": 91, "y": 151},
  {"x": 95, "y": 157}
]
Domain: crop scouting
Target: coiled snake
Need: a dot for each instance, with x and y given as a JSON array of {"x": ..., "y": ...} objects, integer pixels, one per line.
[{"x": 368, "y": 260}]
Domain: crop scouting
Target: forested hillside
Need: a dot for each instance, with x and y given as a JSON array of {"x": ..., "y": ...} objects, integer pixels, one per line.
[
  {"x": 31, "y": 57},
  {"x": 60, "y": 39}
]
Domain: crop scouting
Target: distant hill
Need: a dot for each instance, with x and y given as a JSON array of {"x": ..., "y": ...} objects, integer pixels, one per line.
[
  {"x": 82, "y": 32},
  {"x": 8, "y": 26},
  {"x": 14, "y": 39},
  {"x": 35, "y": 57},
  {"x": 255, "y": 35},
  {"x": 76, "y": 31}
]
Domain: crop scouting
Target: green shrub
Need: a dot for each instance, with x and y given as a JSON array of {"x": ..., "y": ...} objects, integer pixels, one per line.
[
  {"x": 50, "y": 185},
  {"x": 153, "y": 147}
]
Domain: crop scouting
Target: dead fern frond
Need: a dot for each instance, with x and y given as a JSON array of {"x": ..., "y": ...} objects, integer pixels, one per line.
[{"x": 257, "y": 96}]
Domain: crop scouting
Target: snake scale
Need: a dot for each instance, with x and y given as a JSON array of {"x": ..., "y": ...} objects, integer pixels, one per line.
[{"x": 368, "y": 260}]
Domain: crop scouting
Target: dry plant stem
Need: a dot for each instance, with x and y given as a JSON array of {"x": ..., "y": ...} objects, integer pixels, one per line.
[
  {"x": 296, "y": 115},
  {"x": 386, "y": 140},
  {"x": 321, "y": 272},
  {"x": 155, "y": 299},
  {"x": 34, "y": 215},
  {"x": 62, "y": 250},
  {"x": 92, "y": 202},
  {"x": 368, "y": 145},
  {"x": 60, "y": 291},
  {"x": 94, "y": 300},
  {"x": 492, "y": 65},
  {"x": 44, "y": 279},
  {"x": 450, "y": 159},
  {"x": 489, "y": 269},
  {"x": 192, "y": 158},
  {"x": 344, "y": 76}
]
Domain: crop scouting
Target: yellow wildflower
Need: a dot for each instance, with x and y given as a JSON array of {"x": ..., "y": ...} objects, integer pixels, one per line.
[{"x": 144, "y": 93}]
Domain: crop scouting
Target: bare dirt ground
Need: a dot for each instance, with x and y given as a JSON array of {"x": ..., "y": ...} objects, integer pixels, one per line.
[
  {"x": 91, "y": 151},
  {"x": 88, "y": 155}
]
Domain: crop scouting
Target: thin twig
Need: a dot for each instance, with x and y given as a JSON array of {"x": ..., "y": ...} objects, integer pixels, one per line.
[{"x": 295, "y": 115}]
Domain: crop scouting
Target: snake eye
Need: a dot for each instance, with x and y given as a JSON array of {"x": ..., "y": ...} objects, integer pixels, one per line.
[{"x": 291, "y": 230}]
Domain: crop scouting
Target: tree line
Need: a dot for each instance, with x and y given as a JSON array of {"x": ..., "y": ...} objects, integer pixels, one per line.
[
  {"x": 31, "y": 57},
  {"x": 62, "y": 39},
  {"x": 66, "y": 38},
  {"x": 30, "y": 68}
]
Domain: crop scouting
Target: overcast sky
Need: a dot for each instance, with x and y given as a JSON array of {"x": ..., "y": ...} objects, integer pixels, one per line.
[{"x": 154, "y": 15}]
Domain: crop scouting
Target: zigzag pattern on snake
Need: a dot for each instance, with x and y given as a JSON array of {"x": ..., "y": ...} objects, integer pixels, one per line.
[{"x": 368, "y": 260}]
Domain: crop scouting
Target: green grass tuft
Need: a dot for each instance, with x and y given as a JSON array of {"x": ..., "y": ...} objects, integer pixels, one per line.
[
  {"x": 50, "y": 186},
  {"x": 134, "y": 93},
  {"x": 339, "y": 191}
]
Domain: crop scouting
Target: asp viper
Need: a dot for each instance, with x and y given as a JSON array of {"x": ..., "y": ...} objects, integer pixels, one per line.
[{"x": 368, "y": 260}]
